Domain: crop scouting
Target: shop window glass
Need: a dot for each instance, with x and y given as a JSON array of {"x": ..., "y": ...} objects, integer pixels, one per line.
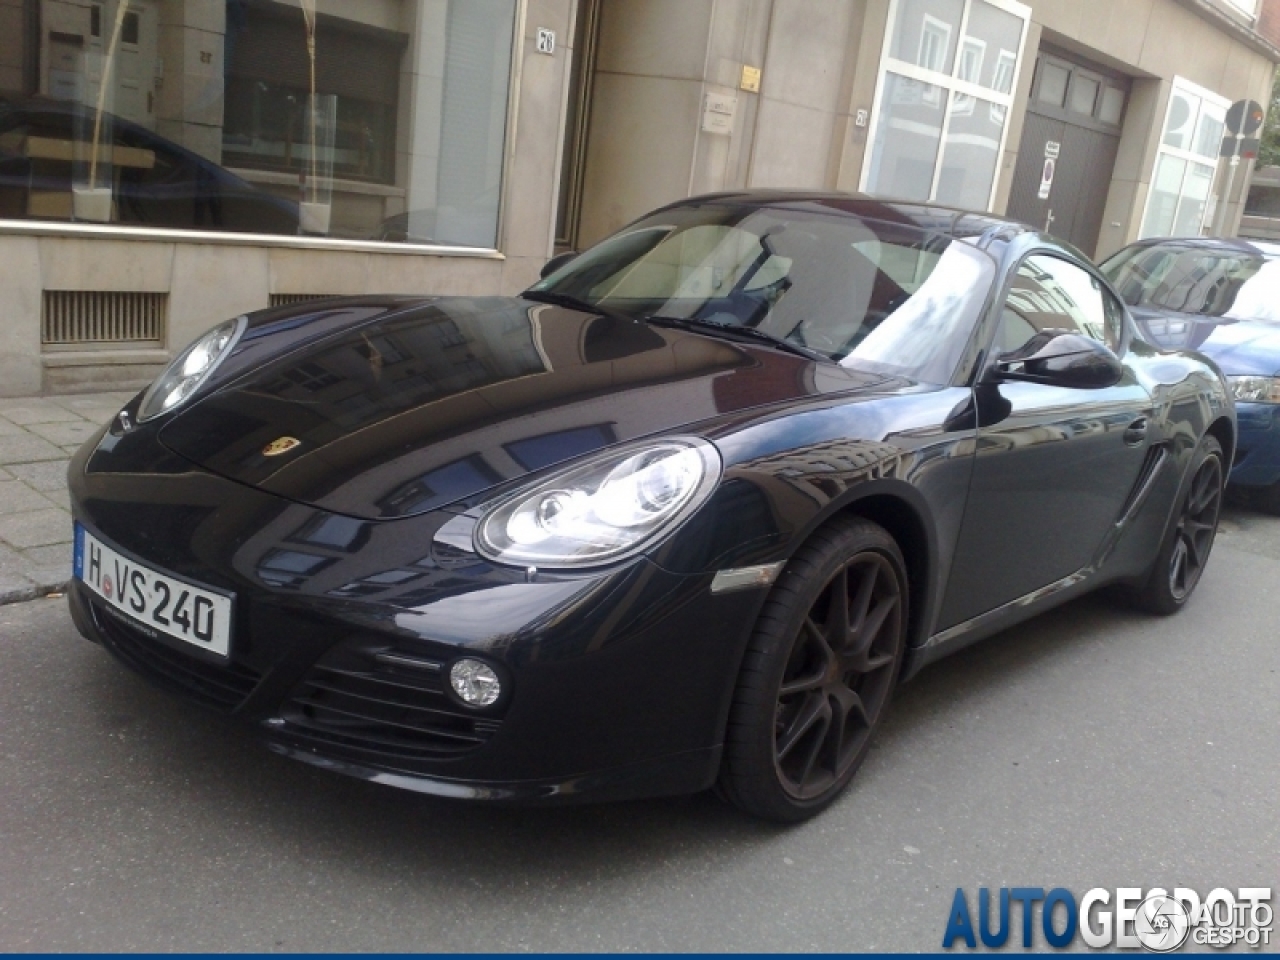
[
  {"x": 935, "y": 136},
  {"x": 925, "y": 33},
  {"x": 905, "y": 150},
  {"x": 997, "y": 31},
  {"x": 1182, "y": 181},
  {"x": 969, "y": 155},
  {"x": 372, "y": 121}
]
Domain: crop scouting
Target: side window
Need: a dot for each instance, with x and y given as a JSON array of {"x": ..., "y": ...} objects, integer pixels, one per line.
[{"x": 1053, "y": 294}]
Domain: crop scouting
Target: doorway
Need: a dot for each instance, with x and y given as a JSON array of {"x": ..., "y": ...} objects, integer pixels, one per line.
[
  {"x": 586, "y": 32},
  {"x": 1068, "y": 148}
]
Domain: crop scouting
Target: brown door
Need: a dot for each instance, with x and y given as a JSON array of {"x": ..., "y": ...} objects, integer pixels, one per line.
[{"x": 1068, "y": 150}]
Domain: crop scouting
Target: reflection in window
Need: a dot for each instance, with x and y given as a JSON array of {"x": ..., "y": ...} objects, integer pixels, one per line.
[
  {"x": 1208, "y": 283},
  {"x": 381, "y": 120},
  {"x": 904, "y": 151},
  {"x": 333, "y": 531},
  {"x": 442, "y": 485},
  {"x": 290, "y": 568},
  {"x": 1052, "y": 294},
  {"x": 375, "y": 583},
  {"x": 535, "y": 453}
]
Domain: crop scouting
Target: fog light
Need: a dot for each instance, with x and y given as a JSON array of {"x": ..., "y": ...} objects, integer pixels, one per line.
[{"x": 475, "y": 682}]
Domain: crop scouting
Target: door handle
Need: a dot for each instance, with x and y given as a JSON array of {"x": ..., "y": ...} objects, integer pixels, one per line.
[{"x": 1136, "y": 432}]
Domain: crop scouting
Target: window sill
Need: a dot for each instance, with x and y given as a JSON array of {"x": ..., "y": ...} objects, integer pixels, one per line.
[{"x": 46, "y": 228}]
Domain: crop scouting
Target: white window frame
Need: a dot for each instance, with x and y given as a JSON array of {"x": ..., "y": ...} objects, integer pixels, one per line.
[
  {"x": 951, "y": 84},
  {"x": 1206, "y": 96}
]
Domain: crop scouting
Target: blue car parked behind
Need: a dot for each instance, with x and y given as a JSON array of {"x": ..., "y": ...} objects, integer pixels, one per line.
[{"x": 1222, "y": 298}]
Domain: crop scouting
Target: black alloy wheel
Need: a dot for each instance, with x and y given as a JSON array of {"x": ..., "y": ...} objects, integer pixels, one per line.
[
  {"x": 1185, "y": 551},
  {"x": 1196, "y": 528},
  {"x": 818, "y": 674}
]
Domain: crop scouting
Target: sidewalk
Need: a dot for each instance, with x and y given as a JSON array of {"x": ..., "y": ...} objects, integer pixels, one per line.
[{"x": 38, "y": 435}]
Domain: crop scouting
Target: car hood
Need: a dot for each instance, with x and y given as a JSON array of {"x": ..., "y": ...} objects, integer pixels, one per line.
[
  {"x": 1238, "y": 347},
  {"x": 432, "y": 401}
]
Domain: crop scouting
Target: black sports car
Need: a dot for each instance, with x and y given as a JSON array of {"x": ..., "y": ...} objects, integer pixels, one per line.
[{"x": 682, "y": 514}]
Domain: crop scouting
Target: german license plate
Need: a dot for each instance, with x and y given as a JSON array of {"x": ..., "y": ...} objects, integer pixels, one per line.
[{"x": 177, "y": 608}]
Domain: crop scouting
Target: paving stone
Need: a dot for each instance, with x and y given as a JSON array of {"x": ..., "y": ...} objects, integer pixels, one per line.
[
  {"x": 28, "y": 449},
  {"x": 45, "y": 475},
  {"x": 17, "y": 497},
  {"x": 64, "y": 434},
  {"x": 80, "y": 402},
  {"x": 47, "y": 567},
  {"x": 55, "y": 555},
  {"x": 59, "y": 498},
  {"x": 25, "y": 412},
  {"x": 37, "y": 528},
  {"x": 10, "y": 429}
]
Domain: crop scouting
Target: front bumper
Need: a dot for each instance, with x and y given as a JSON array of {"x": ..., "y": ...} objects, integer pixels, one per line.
[
  {"x": 618, "y": 682},
  {"x": 1257, "y": 461}
]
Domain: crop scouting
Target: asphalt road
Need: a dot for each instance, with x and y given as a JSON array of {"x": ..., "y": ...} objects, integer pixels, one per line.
[{"x": 1090, "y": 747}]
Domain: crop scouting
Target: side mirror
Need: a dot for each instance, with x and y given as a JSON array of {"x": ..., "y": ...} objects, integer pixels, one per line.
[
  {"x": 556, "y": 262},
  {"x": 1060, "y": 358}
]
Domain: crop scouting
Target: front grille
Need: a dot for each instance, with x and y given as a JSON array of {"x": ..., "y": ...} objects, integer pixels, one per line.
[
  {"x": 103, "y": 316},
  {"x": 365, "y": 703},
  {"x": 221, "y": 687}
]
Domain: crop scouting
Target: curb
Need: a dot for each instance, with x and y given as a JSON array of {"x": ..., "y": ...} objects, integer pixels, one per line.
[{"x": 34, "y": 592}]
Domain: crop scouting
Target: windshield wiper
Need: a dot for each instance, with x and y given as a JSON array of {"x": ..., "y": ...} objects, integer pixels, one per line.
[
  {"x": 734, "y": 330},
  {"x": 575, "y": 303}
]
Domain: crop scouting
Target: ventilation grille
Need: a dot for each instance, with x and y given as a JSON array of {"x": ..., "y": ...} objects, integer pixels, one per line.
[
  {"x": 289, "y": 299},
  {"x": 373, "y": 710},
  {"x": 97, "y": 316},
  {"x": 220, "y": 687}
]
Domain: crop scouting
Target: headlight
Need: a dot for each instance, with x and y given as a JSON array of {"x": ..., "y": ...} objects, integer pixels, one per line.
[
  {"x": 607, "y": 508},
  {"x": 192, "y": 367},
  {"x": 1255, "y": 389}
]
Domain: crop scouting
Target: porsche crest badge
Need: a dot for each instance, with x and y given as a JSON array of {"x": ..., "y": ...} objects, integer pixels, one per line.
[{"x": 280, "y": 445}]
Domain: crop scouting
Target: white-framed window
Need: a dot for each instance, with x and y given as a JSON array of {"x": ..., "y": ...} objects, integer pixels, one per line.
[
  {"x": 1248, "y": 7},
  {"x": 931, "y": 138},
  {"x": 1182, "y": 180}
]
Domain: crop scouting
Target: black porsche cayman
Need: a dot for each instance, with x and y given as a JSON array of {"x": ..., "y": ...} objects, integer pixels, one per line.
[{"x": 680, "y": 515}]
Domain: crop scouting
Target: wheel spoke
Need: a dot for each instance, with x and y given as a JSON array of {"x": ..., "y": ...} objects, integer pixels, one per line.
[
  {"x": 816, "y": 749},
  {"x": 1178, "y": 567},
  {"x": 814, "y": 709},
  {"x": 861, "y": 659},
  {"x": 837, "y": 623},
  {"x": 862, "y": 602},
  {"x": 1194, "y": 560}
]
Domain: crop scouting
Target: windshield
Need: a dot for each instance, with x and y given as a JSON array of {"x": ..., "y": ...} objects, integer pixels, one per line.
[
  {"x": 1235, "y": 284},
  {"x": 862, "y": 292}
]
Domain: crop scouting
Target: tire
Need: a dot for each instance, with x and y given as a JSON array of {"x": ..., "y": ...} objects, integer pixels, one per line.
[
  {"x": 1188, "y": 542},
  {"x": 790, "y": 750}
]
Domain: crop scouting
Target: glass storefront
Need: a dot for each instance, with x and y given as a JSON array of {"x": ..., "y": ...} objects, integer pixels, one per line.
[
  {"x": 945, "y": 89},
  {"x": 371, "y": 120},
  {"x": 1178, "y": 203}
]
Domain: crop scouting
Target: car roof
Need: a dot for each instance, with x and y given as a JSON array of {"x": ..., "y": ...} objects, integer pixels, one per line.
[{"x": 933, "y": 217}]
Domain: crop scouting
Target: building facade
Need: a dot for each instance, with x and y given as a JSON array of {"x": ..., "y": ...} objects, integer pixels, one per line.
[{"x": 166, "y": 164}]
